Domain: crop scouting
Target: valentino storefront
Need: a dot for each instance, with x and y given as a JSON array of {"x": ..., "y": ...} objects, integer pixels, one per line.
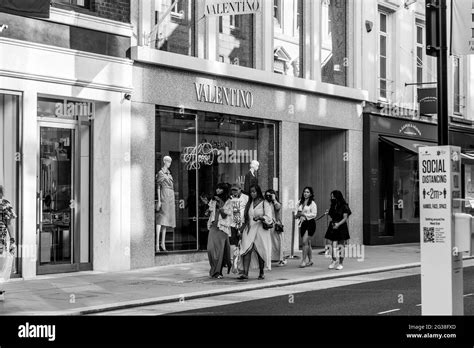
[
  {"x": 212, "y": 126},
  {"x": 391, "y": 194}
]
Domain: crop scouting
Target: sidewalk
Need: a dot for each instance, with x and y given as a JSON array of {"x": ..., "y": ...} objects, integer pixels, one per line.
[{"x": 92, "y": 292}]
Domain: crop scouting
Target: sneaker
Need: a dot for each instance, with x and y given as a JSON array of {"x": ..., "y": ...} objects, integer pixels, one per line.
[
  {"x": 339, "y": 267},
  {"x": 333, "y": 265},
  {"x": 281, "y": 263},
  {"x": 303, "y": 265}
]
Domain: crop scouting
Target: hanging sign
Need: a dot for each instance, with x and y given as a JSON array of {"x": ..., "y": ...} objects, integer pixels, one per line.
[
  {"x": 462, "y": 27},
  {"x": 428, "y": 99},
  {"x": 233, "y": 8}
]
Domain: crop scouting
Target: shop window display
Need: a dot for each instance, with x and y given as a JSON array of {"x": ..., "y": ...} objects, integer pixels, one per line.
[{"x": 207, "y": 149}]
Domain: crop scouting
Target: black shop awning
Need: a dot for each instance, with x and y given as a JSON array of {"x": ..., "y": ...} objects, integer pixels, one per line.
[
  {"x": 410, "y": 145},
  {"x": 29, "y": 8}
]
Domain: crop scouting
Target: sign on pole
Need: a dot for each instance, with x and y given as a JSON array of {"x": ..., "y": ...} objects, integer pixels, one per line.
[
  {"x": 462, "y": 27},
  {"x": 225, "y": 8},
  {"x": 428, "y": 99},
  {"x": 441, "y": 263}
]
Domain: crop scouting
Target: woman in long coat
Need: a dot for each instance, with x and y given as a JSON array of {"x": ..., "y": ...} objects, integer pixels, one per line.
[
  {"x": 256, "y": 244},
  {"x": 220, "y": 219}
]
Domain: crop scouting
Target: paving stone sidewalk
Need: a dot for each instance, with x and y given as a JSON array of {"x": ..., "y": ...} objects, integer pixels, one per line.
[{"x": 92, "y": 292}]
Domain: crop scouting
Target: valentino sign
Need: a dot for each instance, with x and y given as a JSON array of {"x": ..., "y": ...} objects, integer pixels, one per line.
[
  {"x": 221, "y": 8},
  {"x": 214, "y": 94}
]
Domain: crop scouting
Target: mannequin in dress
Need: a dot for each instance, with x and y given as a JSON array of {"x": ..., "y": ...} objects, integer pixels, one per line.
[
  {"x": 165, "y": 205},
  {"x": 251, "y": 177}
]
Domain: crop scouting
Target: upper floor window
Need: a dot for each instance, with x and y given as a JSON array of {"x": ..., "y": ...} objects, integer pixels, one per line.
[
  {"x": 288, "y": 40},
  {"x": 277, "y": 12},
  {"x": 235, "y": 42},
  {"x": 457, "y": 87},
  {"x": 384, "y": 55},
  {"x": 334, "y": 41},
  {"x": 419, "y": 53},
  {"x": 80, "y": 3},
  {"x": 174, "y": 26}
]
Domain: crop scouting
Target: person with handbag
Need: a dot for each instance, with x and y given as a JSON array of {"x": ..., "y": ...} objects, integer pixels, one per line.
[
  {"x": 338, "y": 231},
  {"x": 277, "y": 231},
  {"x": 239, "y": 201},
  {"x": 7, "y": 242},
  {"x": 218, "y": 246},
  {"x": 307, "y": 212},
  {"x": 256, "y": 243}
]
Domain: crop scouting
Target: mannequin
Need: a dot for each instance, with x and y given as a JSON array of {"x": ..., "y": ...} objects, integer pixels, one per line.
[
  {"x": 251, "y": 177},
  {"x": 165, "y": 205}
]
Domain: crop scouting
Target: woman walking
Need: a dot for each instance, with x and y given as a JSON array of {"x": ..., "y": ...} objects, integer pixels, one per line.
[
  {"x": 338, "y": 231},
  {"x": 256, "y": 244},
  {"x": 7, "y": 242},
  {"x": 277, "y": 236},
  {"x": 307, "y": 212},
  {"x": 218, "y": 247}
]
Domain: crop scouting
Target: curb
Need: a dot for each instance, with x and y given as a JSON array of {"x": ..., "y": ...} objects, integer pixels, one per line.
[{"x": 233, "y": 290}]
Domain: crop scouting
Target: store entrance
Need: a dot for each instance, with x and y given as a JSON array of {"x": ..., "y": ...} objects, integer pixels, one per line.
[
  {"x": 63, "y": 197},
  {"x": 323, "y": 167}
]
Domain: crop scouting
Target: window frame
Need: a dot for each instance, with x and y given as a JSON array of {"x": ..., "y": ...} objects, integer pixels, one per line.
[
  {"x": 388, "y": 54},
  {"x": 458, "y": 98}
]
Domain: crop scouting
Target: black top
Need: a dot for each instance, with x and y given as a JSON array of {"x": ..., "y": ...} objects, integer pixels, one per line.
[
  {"x": 337, "y": 215},
  {"x": 250, "y": 180}
]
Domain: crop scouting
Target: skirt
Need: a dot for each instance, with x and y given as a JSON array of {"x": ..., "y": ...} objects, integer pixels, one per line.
[
  {"x": 308, "y": 225},
  {"x": 336, "y": 235},
  {"x": 218, "y": 251}
]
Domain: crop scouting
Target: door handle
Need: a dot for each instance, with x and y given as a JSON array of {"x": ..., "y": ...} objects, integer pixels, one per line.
[{"x": 39, "y": 211}]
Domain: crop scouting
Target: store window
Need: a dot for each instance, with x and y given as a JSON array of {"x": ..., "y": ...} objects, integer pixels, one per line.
[
  {"x": 399, "y": 188},
  {"x": 469, "y": 187},
  {"x": 207, "y": 149},
  {"x": 10, "y": 158},
  {"x": 174, "y": 27},
  {"x": 235, "y": 43},
  {"x": 334, "y": 42},
  {"x": 288, "y": 40}
]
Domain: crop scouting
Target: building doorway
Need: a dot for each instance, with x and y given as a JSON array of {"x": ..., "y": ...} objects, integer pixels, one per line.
[{"x": 322, "y": 166}]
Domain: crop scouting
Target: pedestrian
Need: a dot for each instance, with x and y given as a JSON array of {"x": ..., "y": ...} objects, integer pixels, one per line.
[
  {"x": 277, "y": 231},
  {"x": 256, "y": 243},
  {"x": 7, "y": 242},
  {"x": 239, "y": 201},
  {"x": 307, "y": 212},
  {"x": 338, "y": 231},
  {"x": 218, "y": 247}
]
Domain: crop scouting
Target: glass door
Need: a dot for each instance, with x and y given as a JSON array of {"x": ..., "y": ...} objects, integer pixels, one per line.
[{"x": 57, "y": 201}]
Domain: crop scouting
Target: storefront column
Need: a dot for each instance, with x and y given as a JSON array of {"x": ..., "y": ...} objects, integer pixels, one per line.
[
  {"x": 142, "y": 236},
  {"x": 289, "y": 186},
  {"x": 354, "y": 177},
  {"x": 111, "y": 180},
  {"x": 29, "y": 169}
]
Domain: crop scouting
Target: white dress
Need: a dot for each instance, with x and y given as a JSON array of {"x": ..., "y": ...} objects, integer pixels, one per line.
[{"x": 256, "y": 235}]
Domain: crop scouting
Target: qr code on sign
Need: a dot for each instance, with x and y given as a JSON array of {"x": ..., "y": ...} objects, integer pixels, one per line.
[{"x": 428, "y": 233}]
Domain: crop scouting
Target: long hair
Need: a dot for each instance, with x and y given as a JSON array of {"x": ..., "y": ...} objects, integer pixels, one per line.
[
  {"x": 2, "y": 191},
  {"x": 225, "y": 195},
  {"x": 311, "y": 197},
  {"x": 250, "y": 202},
  {"x": 340, "y": 201}
]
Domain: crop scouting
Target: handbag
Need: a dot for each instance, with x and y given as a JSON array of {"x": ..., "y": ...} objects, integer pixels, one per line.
[
  {"x": 278, "y": 227},
  {"x": 267, "y": 222}
]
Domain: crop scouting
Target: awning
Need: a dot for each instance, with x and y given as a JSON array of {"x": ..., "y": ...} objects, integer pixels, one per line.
[
  {"x": 467, "y": 156},
  {"x": 410, "y": 145}
]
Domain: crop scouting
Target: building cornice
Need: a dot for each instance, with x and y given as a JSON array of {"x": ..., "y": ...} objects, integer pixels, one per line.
[
  {"x": 155, "y": 57},
  {"x": 82, "y": 20}
]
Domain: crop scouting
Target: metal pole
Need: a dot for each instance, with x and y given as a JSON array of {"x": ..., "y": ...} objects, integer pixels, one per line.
[{"x": 443, "y": 125}]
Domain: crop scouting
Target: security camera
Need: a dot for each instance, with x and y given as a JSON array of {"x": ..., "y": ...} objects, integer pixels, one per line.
[
  {"x": 128, "y": 96},
  {"x": 3, "y": 27},
  {"x": 369, "y": 25}
]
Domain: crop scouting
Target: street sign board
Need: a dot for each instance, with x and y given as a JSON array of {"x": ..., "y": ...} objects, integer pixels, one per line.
[{"x": 441, "y": 264}]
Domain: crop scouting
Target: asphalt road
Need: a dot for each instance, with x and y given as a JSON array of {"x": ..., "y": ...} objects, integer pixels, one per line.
[{"x": 398, "y": 296}]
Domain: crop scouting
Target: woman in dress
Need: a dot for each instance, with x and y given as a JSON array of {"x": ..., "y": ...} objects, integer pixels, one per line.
[
  {"x": 307, "y": 212},
  {"x": 256, "y": 244},
  {"x": 338, "y": 231},
  {"x": 220, "y": 219},
  {"x": 7, "y": 242},
  {"x": 165, "y": 205},
  {"x": 277, "y": 250}
]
